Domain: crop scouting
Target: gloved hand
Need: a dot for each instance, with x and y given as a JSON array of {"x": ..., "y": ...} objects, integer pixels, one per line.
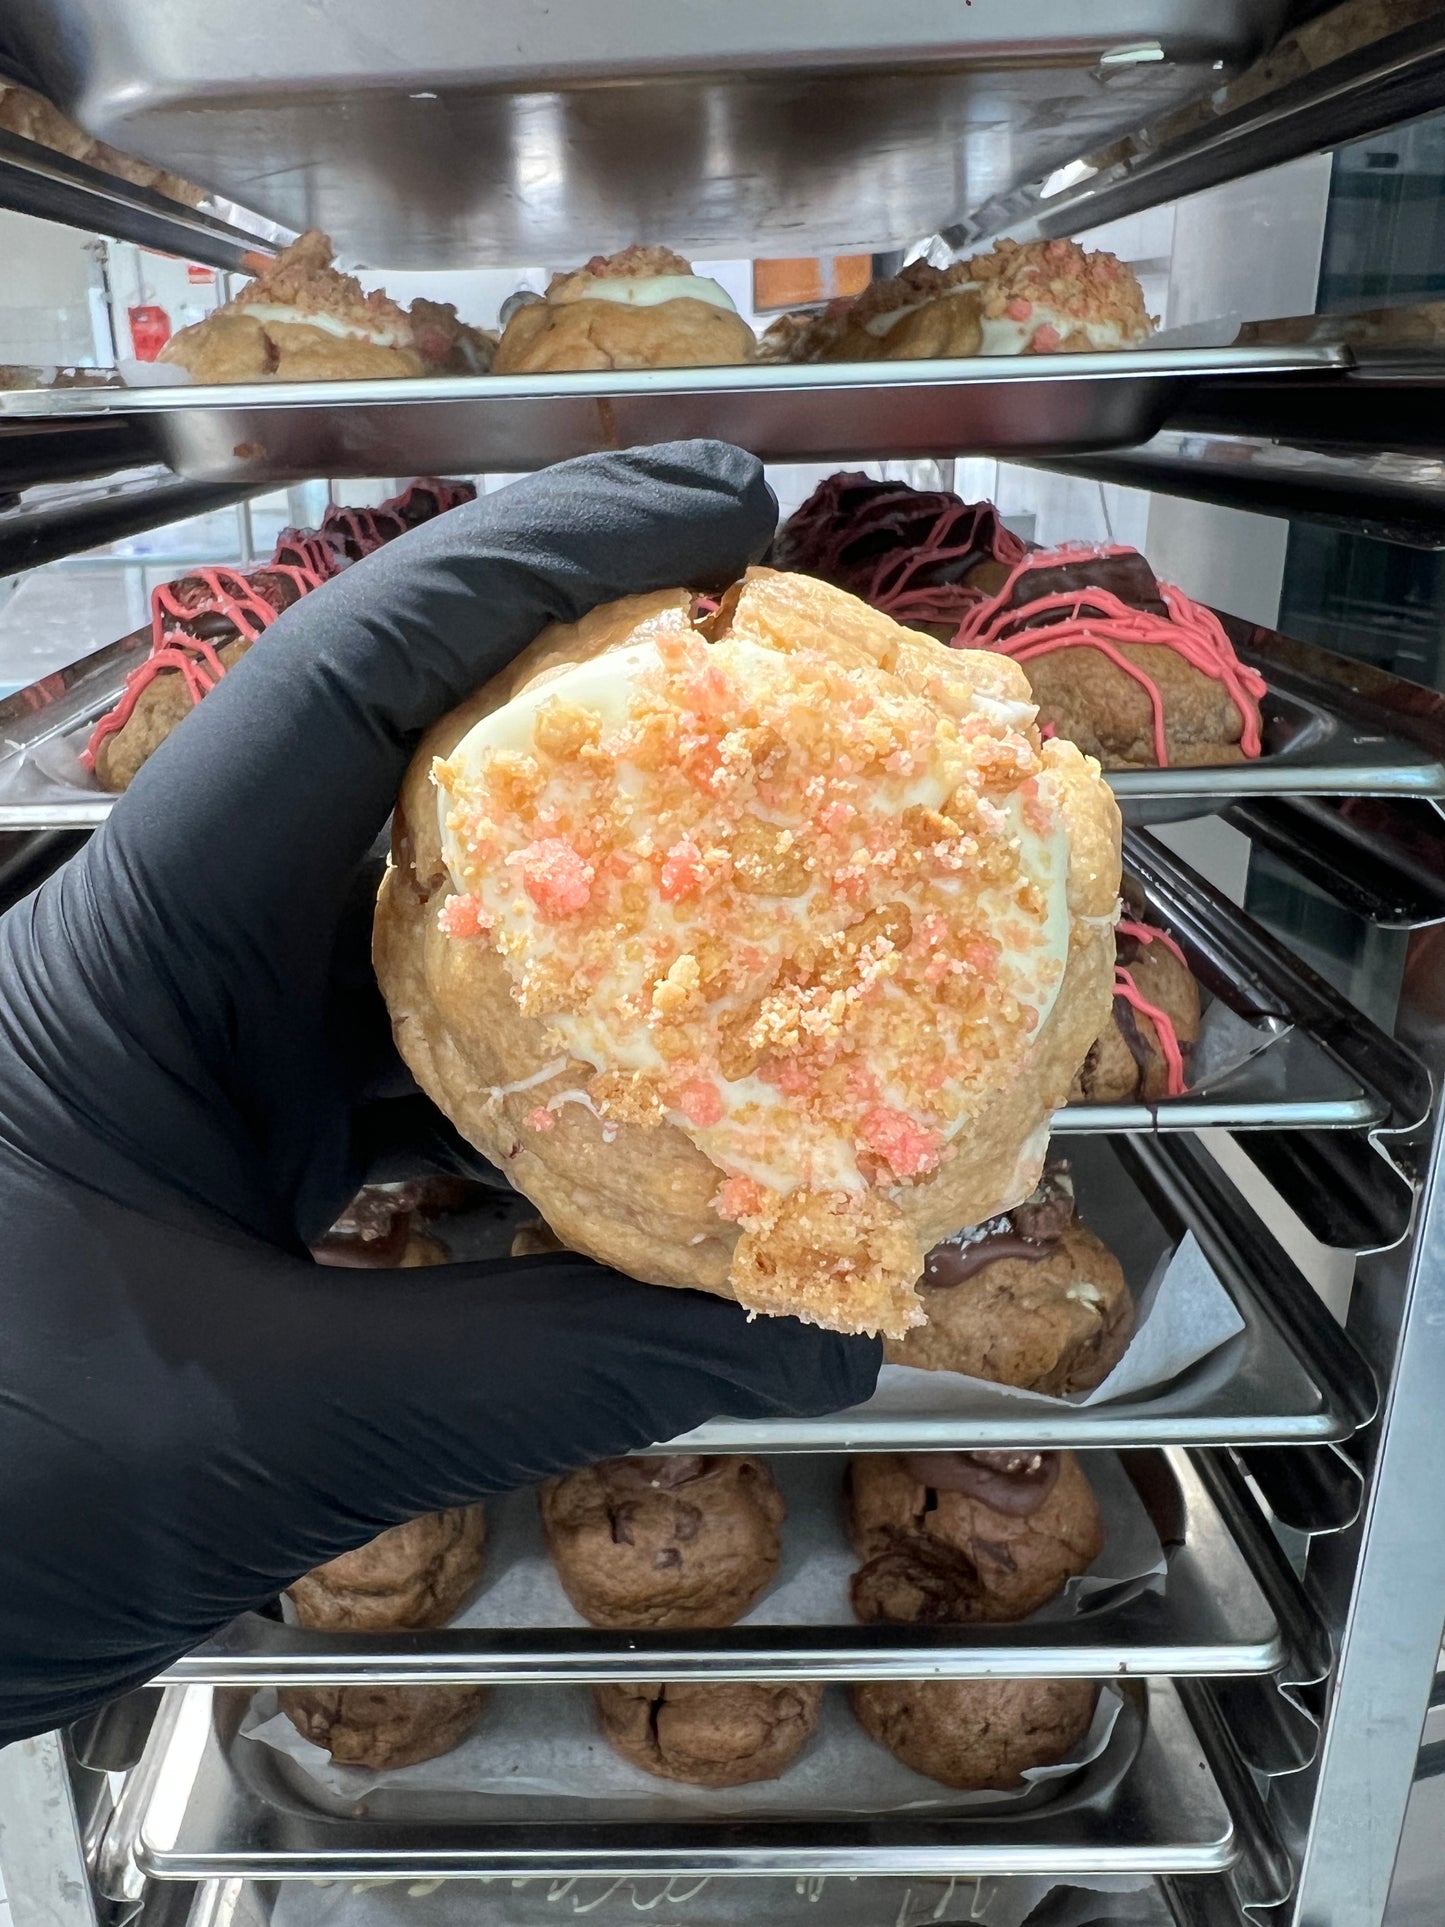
[{"x": 191, "y": 1412}]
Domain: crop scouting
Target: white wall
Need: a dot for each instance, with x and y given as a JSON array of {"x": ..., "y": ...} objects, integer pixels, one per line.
[
  {"x": 1249, "y": 249},
  {"x": 44, "y": 292}
]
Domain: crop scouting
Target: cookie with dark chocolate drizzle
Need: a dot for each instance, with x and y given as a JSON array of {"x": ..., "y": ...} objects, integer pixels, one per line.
[
  {"x": 952, "y": 1538},
  {"x": 203, "y": 623},
  {"x": 922, "y": 556},
  {"x": 1031, "y": 1298}
]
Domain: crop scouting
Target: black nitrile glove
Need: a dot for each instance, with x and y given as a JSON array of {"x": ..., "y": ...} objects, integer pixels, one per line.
[{"x": 194, "y": 1077}]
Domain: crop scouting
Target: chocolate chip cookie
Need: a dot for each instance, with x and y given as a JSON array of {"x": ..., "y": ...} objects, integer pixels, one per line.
[
  {"x": 664, "y": 1542},
  {"x": 383, "y": 1726},
  {"x": 1031, "y": 1298},
  {"x": 709, "y": 1735},
  {"x": 414, "y": 1575},
  {"x": 947, "y": 1538},
  {"x": 976, "y": 1734}
]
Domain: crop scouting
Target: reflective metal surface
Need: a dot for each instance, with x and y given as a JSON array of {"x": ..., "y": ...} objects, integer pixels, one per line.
[
  {"x": 1384, "y": 1582},
  {"x": 42, "y": 1860},
  {"x": 1290, "y": 1377},
  {"x": 1392, "y": 77},
  {"x": 223, "y": 1806},
  {"x": 441, "y": 135},
  {"x": 1212, "y": 1617},
  {"x": 36, "y": 180},
  {"x": 30, "y": 536},
  {"x": 1391, "y": 497},
  {"x": 439, "y": 425}
]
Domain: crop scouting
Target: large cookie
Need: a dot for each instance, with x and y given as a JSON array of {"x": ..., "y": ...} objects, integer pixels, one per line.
[
  {"x": 708, "y": 1735},
  {"x": 414, "y": 1575},
  {"x": 548, "y": 339},
  {"x": 948, "y": 1538},
  {"x": 976, "y": 1734},
  {"x": 664, "y": 1542},
  {"x": 614, "y": 1158}
]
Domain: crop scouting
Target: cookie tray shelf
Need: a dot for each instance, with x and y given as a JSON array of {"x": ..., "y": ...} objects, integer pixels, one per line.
[
  {"x": 262, "y": 433},
  {"x": 1230, "y": 1606},
  {"x": 1290, "y": 1377},
  {"x": 1332, "y": 727},
  {"x": 208, "y": 1803}
]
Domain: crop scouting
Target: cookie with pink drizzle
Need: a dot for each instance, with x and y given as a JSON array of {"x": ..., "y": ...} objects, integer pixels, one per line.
[
  {"x": 1143, "y": 1050},
  {"x": 923, "y": 556},
  {"x": 1130, "y": 669},
  {"x": 201, "y": 625},
  {"x": 204, "y": 622}
]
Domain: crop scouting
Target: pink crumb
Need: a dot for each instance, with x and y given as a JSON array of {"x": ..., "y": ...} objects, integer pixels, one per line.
[
  {"x": 905, "y": 1146},
  {"x": 788, "y": 1079},
  {"x": 463, "y": 917},
  {"x": 739, "y": 1198},
  {"x": 700, "y": 1103},
  {"x": 1046, "y": 338},
  {"x": 683, "y": 872},
  {"x": 555, "y": 877},
  {"x": 1018, "y": 309},
  {"x": 542, "y": 1119}
]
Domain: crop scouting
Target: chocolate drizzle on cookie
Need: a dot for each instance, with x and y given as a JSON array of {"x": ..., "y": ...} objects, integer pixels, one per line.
[
  {"x": 1128, "y": 1027},
  {"x": 1031, "y": 1231},
  {"x": 1016, "y": 1483},
  {"x": 922, "y": 556},
  {"x": 1123, "y": 573}
]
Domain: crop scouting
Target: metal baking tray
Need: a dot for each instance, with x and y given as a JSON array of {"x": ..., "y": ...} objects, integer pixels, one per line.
[
  {"x": 1212, "y": 1616},
  {"x": 1314, "y": 744},
  {"x": 1280, "y": 1049},
  {"x": 211, "y": 1804},
  {"x": 1291, "y": 1376},
  {"x": 456, "y": 136},
  {"x": 1332, "y": 727},
  {"x": 262, "y": 433}
]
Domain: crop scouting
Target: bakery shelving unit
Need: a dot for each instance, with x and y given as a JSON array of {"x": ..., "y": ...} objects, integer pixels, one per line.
[{"x": 1278, "y": 1685}]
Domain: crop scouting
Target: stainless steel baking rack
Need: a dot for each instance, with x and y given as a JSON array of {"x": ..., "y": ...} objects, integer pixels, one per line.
[
  {"x": 1227, "y": 1605},
  {"x": 464, "y": 140},
  {"x": 1289, "y": 1377},
  {"x": 219, "y": 1804},
  {"x": 269, "y": 432},
  {"x": 1276, "y": 1002},
  {"x": 1389, "y": 496},
  {"x": 36, "y": 180}
]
